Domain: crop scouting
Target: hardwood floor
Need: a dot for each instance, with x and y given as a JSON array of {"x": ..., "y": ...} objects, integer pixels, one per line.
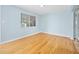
[{"x": 41, "y": 43}]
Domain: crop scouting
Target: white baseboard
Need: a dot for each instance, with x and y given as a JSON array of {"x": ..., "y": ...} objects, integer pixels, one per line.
[
  {"x": 59, "y": 35},
  {"x": 18, "y": 38}
]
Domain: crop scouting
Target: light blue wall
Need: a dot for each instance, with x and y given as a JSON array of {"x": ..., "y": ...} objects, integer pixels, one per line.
[
  {"x": 0, "y": 23},
  {"x": 58, "y": 23},
  {"x": 43, "y": 23},
  {"x": 11, "y": 23}
]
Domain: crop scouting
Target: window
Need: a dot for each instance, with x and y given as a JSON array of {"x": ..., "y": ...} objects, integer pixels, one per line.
[{"x": 27, "y": 20}]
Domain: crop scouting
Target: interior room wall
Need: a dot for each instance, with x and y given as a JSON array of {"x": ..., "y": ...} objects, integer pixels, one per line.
[
  {"x": 43, "y": 23},
  {"x": 55, "y": 23},
  {"x": 0, "y": 23},
  {"x": 60, "y": 23},
  {"x": 11, "y": 23}
]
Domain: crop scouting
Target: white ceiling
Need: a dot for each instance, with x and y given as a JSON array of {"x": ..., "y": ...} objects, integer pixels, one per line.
[{"x": 45, "y": 9}]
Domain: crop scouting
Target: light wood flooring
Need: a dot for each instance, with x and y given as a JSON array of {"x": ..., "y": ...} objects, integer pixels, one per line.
[{"x": 41, "y": 43}]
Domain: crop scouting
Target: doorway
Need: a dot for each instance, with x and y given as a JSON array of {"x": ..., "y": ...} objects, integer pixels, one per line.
[{"x": 76, "y": 23}]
